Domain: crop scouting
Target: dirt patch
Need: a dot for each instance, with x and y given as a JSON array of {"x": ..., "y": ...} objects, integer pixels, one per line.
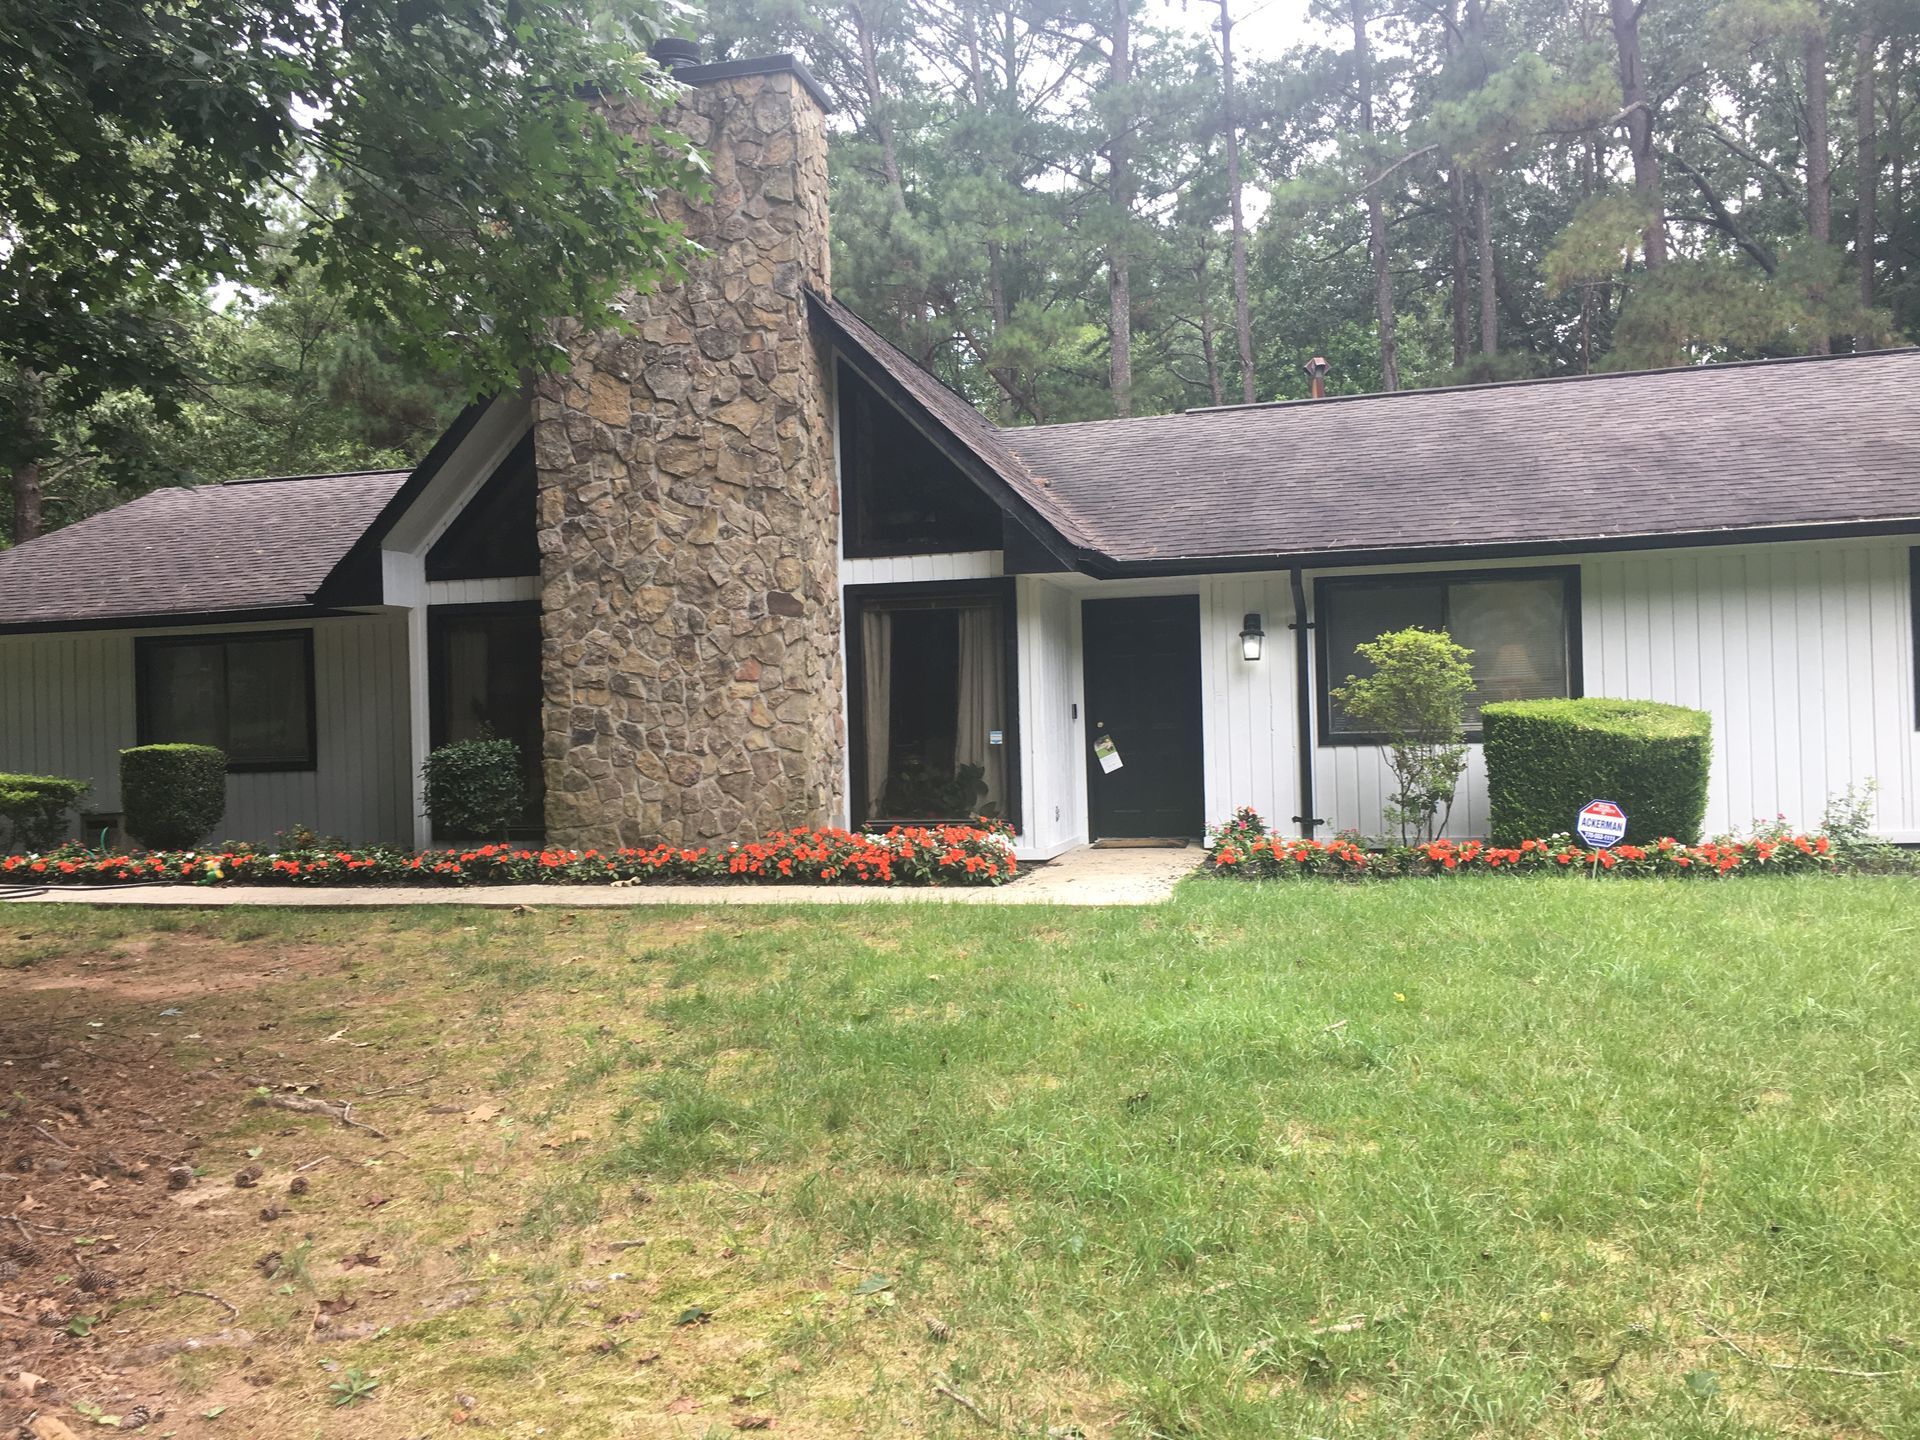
[{"x": 169, "y": 968}]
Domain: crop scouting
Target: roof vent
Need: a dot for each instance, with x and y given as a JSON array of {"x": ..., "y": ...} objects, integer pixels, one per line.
[
  {"x": 1317, "y": 369},
  {"x": 672, "y": 52}
]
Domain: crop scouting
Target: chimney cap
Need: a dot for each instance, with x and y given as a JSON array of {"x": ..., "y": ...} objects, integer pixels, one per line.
[{"x": 674, "y": 51}]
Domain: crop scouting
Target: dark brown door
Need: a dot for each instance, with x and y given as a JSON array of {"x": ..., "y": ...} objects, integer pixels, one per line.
[{"x": 1142, "y": 661}]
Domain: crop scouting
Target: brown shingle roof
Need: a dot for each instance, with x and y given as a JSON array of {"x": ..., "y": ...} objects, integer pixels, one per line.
[
  {"x": 247, "y": 545},
  {"x": 1543, "y": 464}
]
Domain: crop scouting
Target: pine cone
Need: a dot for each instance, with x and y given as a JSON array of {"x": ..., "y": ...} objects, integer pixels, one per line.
[
  {"x": 23, "y": 1250},
  {"x": 298, "y": 1185},
  {"x": 8, "y": 1271},
  {"x": 92, "y": 1281},
  {"x": 136, "y": 1418},
  {"x": 179, "y": 1177},
  {"x": 248, "y": 1178}
]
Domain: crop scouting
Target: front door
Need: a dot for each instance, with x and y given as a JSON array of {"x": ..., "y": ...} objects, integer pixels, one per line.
[{"x": 1142, "y": 661}]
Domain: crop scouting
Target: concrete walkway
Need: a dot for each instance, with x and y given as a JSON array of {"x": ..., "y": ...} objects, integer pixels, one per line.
[{"x": 1086, "y": 876}]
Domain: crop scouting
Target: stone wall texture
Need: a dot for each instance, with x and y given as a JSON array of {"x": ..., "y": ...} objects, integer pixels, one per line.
[{"x": 689, "y": 515}]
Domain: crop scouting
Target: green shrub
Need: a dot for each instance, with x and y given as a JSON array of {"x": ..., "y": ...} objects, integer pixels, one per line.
[
  {"x": 33, "y": 810},
  {"x": 172, "y": 795},
  {"x": 1547, "y": 758},
  {"x": 473, "y": 788}
]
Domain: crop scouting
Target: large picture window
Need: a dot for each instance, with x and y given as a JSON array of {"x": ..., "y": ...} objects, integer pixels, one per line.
[
  {"x": 1521, "y": 625},
  {"x": 249, "y": 695},
  {"x": 932, "y": 701}
]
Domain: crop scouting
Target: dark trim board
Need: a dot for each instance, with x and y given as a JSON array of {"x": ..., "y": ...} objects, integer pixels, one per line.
[
  {"x": 143, "y": 645},
  {"x": 854, "y": 599},
  {"x": 1569, "y": 576},
  {"x": 1100, "y": 568},
  {"x": 198, "y": 619}
]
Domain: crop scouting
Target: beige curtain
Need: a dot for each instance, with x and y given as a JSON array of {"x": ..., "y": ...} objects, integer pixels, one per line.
[
  {"x": 982, "y": 689},
  {"x": 876, "y": 645}
]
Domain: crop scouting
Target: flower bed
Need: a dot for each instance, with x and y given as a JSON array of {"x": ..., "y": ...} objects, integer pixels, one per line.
[
  {"x": 1243, "y": 848},
  {"x": 1275, "y": 856},
  {"x": 979, "y": 854}
]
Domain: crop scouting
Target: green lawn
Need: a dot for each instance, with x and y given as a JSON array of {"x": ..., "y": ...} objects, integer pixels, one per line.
[{"x": 1477, "y": 1157}]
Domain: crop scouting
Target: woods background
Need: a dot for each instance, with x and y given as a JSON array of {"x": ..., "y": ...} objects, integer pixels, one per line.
[{"x": 1076, "y": 209}]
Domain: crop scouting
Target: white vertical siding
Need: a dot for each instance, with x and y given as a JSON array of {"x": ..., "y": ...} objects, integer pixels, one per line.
[
  {"x": 1803, "y": 653},
  {"x": 1052, "y": 768},
  {"x": 912, "y": 569},
  {"x": 67, "y": 708},
  {"x": 483, "y": 592}
]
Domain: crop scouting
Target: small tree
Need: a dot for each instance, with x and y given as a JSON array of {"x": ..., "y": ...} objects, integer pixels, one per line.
[{"x": 1415, "y": 697}]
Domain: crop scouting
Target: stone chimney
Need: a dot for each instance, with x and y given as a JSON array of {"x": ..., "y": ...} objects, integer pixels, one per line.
[{"x": 688, "y": 509}]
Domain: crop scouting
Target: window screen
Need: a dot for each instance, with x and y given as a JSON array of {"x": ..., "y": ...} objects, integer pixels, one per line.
[{"x": 249, "y": 695}]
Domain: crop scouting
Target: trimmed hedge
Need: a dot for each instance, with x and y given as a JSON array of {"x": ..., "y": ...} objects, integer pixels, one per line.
[
  {"x": 33, "y": 809},
  {"x": 473, "y": 789},
  {"x": 1547, "y": 758},
  {"x": 172, "y": 795}
]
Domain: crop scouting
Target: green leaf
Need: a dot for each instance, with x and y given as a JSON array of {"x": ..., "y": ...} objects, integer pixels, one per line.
[
  {"x": 873, "y": 1285},
  {"x": 1702, "y": 1384}
]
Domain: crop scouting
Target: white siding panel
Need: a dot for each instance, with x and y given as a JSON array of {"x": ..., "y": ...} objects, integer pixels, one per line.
[
  {"x": 483, "y": 592},
  {"x": 67, "y": 708},
  {"x": 1052, "y": 768},
  {"x": 909, "y": 569},
  {"x": 1803, "y": 653}
]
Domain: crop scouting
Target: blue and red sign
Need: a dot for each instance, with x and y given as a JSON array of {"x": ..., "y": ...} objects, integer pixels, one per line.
[{"x": 1601, "y": 824}]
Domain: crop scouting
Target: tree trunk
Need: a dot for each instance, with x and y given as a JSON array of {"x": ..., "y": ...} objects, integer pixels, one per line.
[
  {"x": 1866, "y": 121},
  {"x": 1242, "y": 316},
  {"x": 1120, "y": 184},
  {"x": 1376, "y": 208},
  {"x": 1461, "y": 300},
  {"x": 1819, "y": 154},
  {"x": 1489, "y": 294},
  {"x": 877, "y": 112},
  {"x": 1896, "y": 158},
  {"x": 1203, "y": 291},
  {"x": 28, "y": 521},
  {"x": 1638, "y": 106}
]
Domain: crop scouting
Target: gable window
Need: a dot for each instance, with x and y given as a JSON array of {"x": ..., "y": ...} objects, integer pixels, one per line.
[
  {"x": 900, "y": 494},
  {"x": 1521, "y": 625},
  {"x": 249, "y": 695}
]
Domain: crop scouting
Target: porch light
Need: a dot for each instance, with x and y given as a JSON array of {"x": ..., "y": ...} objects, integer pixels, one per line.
[{"x": 1252, "y": 638}]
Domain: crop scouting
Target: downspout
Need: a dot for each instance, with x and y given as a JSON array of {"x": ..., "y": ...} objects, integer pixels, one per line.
[{"x": 1303, "y": 700}]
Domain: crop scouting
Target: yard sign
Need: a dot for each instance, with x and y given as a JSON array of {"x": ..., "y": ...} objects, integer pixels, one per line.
[{"x": 1601, "y": 824}]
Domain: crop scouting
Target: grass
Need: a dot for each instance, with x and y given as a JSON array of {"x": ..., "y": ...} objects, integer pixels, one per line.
[{"x": 1487, "y": 1157}]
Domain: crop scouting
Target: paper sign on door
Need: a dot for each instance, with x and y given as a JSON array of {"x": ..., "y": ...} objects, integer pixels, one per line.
[{"x": 1108, "y": 757}]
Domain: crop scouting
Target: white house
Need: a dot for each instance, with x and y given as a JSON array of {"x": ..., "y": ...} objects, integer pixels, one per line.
[{"x": 747, "y": 565}]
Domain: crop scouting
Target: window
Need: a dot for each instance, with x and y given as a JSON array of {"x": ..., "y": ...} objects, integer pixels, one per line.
[
  {"x": 901, "y": 495},
  {"x": 484, "y": 669},
  {"x": 250, "y": 695},
  {"x": 932, "y": 702},
  {"x": 1521, "y": 625}
]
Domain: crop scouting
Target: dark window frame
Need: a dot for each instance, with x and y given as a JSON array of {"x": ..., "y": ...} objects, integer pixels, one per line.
[
  {"x": 1328, "y": 588},
  {"x": 439, "y": 617},
  {"x": 854, "y": 602},
  {"x": 146, "y": 645},
  {"x": 857, "y": 543}
]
